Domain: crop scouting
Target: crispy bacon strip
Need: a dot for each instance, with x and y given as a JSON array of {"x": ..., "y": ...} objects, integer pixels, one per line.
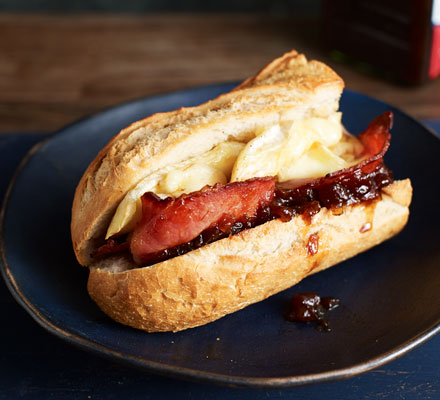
[
  {"x": 111, "y": 246},
  {"x": 170, "y": 222},
  {"x": 375, "y": 140}
]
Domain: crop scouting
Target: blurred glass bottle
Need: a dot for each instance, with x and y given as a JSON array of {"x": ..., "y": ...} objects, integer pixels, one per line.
[{"x": 401, "y": 37}]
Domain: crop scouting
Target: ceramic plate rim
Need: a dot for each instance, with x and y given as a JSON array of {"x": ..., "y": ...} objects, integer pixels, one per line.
[{"x": 169, "y": 369}]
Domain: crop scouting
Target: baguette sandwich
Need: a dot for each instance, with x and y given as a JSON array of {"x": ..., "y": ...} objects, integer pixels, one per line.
[{"x": 189, "y": 215}]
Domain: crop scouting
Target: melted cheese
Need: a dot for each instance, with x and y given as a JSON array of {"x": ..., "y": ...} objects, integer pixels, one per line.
[
  {"x": 288, "y": 153},
  {"x": 307, "y": 148},
  {"x": 215, "y": 166}
]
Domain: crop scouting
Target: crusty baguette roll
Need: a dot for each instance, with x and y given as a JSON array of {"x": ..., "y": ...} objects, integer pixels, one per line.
[{"x": 229, "y": 274}]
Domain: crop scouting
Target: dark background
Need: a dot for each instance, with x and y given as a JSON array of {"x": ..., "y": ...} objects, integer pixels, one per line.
[{"x": 297, "y": 7}]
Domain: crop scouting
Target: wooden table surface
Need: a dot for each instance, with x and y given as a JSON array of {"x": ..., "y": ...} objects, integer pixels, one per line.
[{"x": 55, "y": 69}]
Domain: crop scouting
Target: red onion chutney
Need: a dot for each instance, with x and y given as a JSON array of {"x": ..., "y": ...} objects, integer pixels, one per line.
[
  {"x": 305, "y": 200},
  {"x": 305, "y": 197},
  {"x": 310, "y": 307}
]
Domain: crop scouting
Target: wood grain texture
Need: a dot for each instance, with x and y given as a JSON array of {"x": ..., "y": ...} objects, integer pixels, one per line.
[{"x": 55, "y": 69}]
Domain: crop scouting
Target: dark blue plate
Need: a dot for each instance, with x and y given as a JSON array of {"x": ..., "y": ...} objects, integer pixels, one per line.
[{"x": 389, "y": 295}]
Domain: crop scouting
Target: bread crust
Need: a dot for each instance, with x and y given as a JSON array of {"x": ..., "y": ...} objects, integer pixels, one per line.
[
  {"x": 289, "y": 87},
  {"x": 227, "y": 275}
]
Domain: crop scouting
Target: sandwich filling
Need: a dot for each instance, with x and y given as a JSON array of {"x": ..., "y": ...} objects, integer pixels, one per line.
[{"x": 282, "y": 172}]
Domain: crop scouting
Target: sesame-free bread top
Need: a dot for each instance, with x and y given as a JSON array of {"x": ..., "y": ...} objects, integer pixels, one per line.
[{"x": 290, "y": 87}]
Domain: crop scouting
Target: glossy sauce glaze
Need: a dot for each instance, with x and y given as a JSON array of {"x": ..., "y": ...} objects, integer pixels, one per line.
[
  {"x": 332, "y": 192},
  {"x": 367, "y": 226},
  {"x": 369, "y": 216},
  {"x": 313, "y": 244},
  {"x": 310, "y": 307}
]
